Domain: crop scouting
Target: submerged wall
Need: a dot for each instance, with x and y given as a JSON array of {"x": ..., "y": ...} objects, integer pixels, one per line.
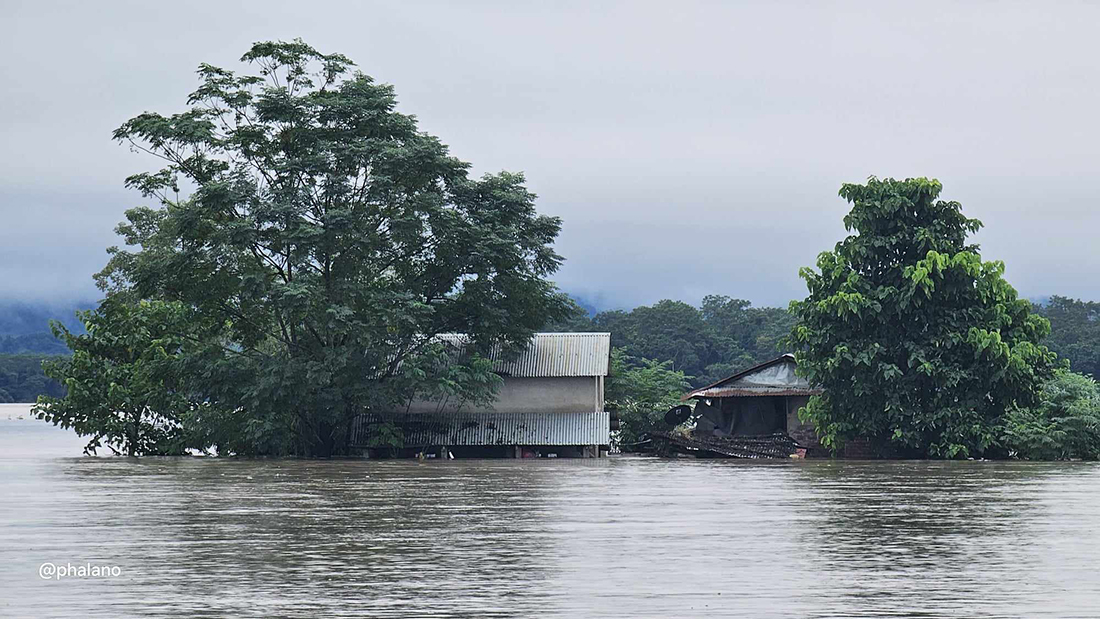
[{"x": 803, "y": 433}]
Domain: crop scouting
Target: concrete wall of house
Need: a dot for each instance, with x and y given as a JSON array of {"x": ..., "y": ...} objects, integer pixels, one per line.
[
  {"x": 565, "y": 394},
  {"x": 711, "y": 421}
]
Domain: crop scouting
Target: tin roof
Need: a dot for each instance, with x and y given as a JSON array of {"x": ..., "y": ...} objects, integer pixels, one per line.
[
  {"x": 552, "y": 355},
  {"x": 720, "y": 392},
  {"x": 775, "y": 377},
  {"x": 493, "y": 428}
]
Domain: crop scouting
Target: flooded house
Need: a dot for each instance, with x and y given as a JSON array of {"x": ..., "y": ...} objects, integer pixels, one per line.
[
  {"x": 551, "y": 404},
  {"x": 752, "y": 414},
  {"x": 763, "y": 399}
]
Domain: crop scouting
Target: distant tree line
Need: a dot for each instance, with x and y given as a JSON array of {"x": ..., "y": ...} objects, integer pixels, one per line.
[
  {"x": 663, "y": 350},
  {"x": 1074, "y": 332},
  {"x": 706, "y": 343},
  {"x": 25, "y": 343},
  {"x": 725, "y": 335},
  {"x": 22, "y": 379},
  {"x": 42, "y": 343}
]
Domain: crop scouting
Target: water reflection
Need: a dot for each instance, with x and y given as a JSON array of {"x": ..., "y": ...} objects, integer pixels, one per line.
[{"x": 623, "y": 537}]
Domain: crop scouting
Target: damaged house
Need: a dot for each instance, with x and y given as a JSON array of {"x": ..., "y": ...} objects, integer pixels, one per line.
[
  {"x": 763, "y": 399},
  {"x": 752, "y": 414},
  {"x": 551, "y": 404}
]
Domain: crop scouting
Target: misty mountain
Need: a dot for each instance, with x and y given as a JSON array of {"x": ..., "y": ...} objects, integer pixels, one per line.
[
  {"x": 28, "y": 317},
  {"x": 25, "y": 326}
]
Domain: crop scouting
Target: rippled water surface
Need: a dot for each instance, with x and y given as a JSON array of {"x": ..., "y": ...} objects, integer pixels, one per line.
[{"x": 622, "y": 537}]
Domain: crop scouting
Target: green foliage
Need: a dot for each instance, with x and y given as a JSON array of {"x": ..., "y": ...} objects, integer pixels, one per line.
[
  {"x": 387, "y": 436},
  {"x": 707, "y": 344},
  {"x": 325, "y": 245},
  {"x": 22, "y": 379},
  {"x": 1074, "y": 332},
  {"x": 669, "y": 330},
  {"x": 1064, "y": 424},
  {"x": 918, "y": 343},
  {"x": 743, "y": 335},
  {"x": 121, "y": 391},
  {"x": 641, "y": 391}
]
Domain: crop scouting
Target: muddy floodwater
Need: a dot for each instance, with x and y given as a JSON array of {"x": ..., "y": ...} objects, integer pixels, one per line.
[{"x": 617, "y": 537}]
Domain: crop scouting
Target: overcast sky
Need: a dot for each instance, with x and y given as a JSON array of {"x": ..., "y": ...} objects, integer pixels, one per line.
[{"x": 691, "y": 148}]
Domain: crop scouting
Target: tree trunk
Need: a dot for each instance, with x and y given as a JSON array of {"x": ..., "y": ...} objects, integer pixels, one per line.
[{"x": 134, "y": 434}]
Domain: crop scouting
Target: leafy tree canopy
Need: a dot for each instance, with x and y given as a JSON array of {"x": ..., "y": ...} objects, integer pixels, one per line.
[
  {"x": 1063, "y": 424},
  {"x": 918, "y": 343},
  {"x": 123, "y": 387},
  {"x": 641, "y": 391},
  {"x": 324, "y": 243}
]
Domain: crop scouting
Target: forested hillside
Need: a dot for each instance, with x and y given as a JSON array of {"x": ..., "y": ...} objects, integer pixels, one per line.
[
  {"x": 43, "y": 343},
  {"x": 22, "y": 379},
  {"x": 32, "y": 318},
  {"x": 26, "y": 341},
  {"x": 1074, "y": 332}
]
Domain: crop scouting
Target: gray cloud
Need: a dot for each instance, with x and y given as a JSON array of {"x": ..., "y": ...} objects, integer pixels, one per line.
[{"x": 690, "y": 147}]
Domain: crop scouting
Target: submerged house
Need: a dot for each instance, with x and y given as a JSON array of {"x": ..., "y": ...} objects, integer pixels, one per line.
[
  {"x": 762, "y": 400},
  {"x": 551, "y": 405}
]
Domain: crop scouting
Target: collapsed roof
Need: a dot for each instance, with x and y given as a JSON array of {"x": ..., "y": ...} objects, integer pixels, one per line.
[{"x": 771, "y": 378}]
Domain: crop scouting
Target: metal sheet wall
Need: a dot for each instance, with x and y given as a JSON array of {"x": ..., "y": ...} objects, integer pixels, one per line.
[
  {"x": 554, "y": 354},
  {"x": 495, "y": 428}
]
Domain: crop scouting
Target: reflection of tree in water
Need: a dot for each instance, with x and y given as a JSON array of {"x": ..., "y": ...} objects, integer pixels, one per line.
[
  {"x": 336, "y": 537},
  {"x": 943, "y": 534}
]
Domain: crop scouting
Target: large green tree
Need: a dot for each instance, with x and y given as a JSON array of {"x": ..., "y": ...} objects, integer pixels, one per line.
[
  {"x": 919, "y": 344},
  {"x": 323, "y": 241}
]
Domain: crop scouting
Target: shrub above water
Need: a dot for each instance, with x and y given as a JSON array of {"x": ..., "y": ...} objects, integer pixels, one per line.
[{"x": 1065, "y": 424}]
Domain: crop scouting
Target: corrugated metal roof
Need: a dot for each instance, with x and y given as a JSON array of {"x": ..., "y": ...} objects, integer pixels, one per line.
[
  {"x": 493, "y": 428},
  {"x": 552, "y": 355},
  {"x": 730, "y": 392},
  {"x": 775, "y": 377}
]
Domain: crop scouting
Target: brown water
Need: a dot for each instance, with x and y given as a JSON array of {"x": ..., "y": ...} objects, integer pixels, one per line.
[{"x": 618, "y": 537}]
